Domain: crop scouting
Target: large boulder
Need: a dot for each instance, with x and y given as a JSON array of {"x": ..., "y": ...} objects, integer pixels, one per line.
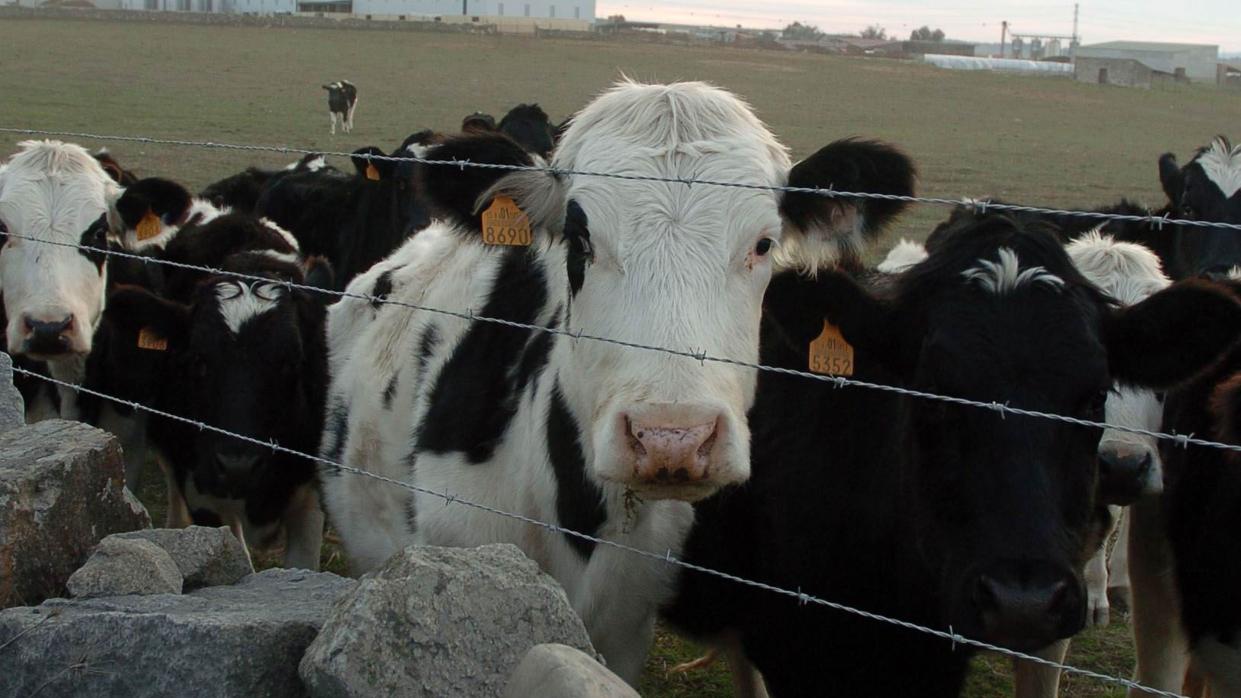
[
  {"x": 62, "y": 490},
  {"x": 206, "y": 557},
  {"x": 241, "y": 640},
  {"x": 12, "y": 406},
  {"x": 559, "y": 671},
  {"x": 440, "y": 622}
]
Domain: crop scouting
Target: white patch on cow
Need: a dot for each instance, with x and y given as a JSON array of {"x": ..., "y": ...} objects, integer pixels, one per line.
[
  {"x": 200, "y": 212},
  {"x": 906, "y": 254},
  {"x": 1006, "y": 275},
  {"x": 288, "y": 237},
  {"x": 242, "y": 301},
  {"x": 52, "y": 191},
  {"x": 1222, "y": 165}
]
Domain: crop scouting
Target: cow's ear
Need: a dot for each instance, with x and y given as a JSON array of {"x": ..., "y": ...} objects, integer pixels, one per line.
[
  {"x": 153, "y": 201},
  {"x": 819, "y": 229},
  {"x": 373, "y": 168},
  {"x": 147, "y": 321},
  {"x": 799, "y": 305},
  {"x": 462, "y": 194},
  {"x": 1173, "y": 334},
  {"x": 1170, "y": 178},
  {"x": 319, "y": 274}
]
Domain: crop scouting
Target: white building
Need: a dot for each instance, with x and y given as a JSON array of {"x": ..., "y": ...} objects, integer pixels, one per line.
[
  {"x": 1198, "y": 60},
  {"x": 581, "y": 10}
]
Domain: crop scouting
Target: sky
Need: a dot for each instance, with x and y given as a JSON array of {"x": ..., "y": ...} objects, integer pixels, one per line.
[{"x": 1187, "y": 21}]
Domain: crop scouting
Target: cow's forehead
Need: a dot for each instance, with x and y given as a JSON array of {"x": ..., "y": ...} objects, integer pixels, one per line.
[
  {"x": 1222, "y": 165},
  {"x": 41, "y": 205}
]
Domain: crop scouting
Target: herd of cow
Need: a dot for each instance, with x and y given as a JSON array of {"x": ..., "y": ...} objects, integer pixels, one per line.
[{"x": 947, "y": 515}]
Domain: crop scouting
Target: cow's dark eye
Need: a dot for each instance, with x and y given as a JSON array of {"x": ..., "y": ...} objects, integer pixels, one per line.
[
  {"x": 763, "y": 247},
  {"x": 1093, "y": 408},
  {"x": 1161, "y": 396}
]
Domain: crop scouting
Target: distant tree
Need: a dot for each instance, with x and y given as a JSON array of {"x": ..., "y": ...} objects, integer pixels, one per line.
[
  {"x": 924, "y": 33},
  {"x": 802, "y": 32},
  {"x": 874, "y": 31}
]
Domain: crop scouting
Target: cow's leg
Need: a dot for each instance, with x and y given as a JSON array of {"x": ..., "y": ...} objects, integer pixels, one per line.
[
  {"x": 1160, "y": 643},
  {"x": 1119, "y": 591},
  {"x": 352, "y": 107},
  {"x": 1219, "y": 665},
  {"x": 178, "y": 515},
  {"x": 303, "y": 525},
  {"x": 332, "y": 115},
  {"x": 1097, "y": 610},
  {"x": 1034, "y": 680},
  {"x": 747, "y": 681},
  {"x": 130, "y": 430},
  {"x": 238, "y": 528}
]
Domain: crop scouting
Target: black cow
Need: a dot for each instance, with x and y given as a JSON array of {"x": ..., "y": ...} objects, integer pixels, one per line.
[
  {"x": 352, "y": 220},
  {"x": 240, "y": 192},
  {"x": 342, "y": 101},
  {"x": 249, "y": 357},
  {"x": 478, "y": 122},
  {"x": 948, "y": 516},
  {"x": 530, "y": 126}
]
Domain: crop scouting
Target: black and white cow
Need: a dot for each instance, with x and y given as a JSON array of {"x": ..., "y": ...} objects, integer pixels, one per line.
[
  {"x": 240, "y": 192},
  {"x": 119, "y": 174},
  {"x": 246, "y": 356},
  {"x": 592, "y": 436},
  {"x": 1184, "y": 554},
  {"x": 53, "y": 293},
  {"x": 948, "y": 516},
  {"x": 352, "y": 220},
  {"x": 530, "y": 126},
  {"x": 342, "y": 101}
]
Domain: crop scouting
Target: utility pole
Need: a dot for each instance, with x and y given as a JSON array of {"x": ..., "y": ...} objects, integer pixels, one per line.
[
  {"x": 1074, "y": 41},
  {"x": 1003, "y": 38}
]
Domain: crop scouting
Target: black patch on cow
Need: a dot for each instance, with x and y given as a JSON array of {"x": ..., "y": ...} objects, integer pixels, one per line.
[
  {"x": 534, "y": 360},
  {"x": 426, "y": 346},
  {"x": 93, "y": 244},
  {"x": 453, "y": 191},
  {"x": 383, "y": 287},
  {"x": 165, "y": 198},
  {"x": 337, "y": 431},
  {"x": 390, "y": 391},
  {"x": 206, "y": 517},
  {"x": 475, "y": 397},
  {"x": 579, "y": 503},
  {"x": 849, "y": 165},
  {"x": 577, "y": 235}
]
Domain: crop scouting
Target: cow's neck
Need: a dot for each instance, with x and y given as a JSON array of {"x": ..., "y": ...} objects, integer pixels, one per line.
[{"x": 70, "y": 370}]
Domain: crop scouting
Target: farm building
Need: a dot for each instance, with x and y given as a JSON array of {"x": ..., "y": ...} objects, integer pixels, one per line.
[
  {"x": 564, "y": 14},
  {"x": 1197, "y": 61},
  {"x": 1125, "y": 72},
  {"x": 1008, "y": 65}
]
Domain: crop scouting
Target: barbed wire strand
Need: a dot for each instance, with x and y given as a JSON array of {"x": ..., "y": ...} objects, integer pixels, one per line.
[
  {"x": 981, "y": 204},
  {"x": 1003, "y": 409},
  {"x": 667, "y": 557}
]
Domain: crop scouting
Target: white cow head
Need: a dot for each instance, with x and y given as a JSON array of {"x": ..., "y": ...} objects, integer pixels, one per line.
[
  {"x": 53, "y": 293},
  {"x": 1129, "y": 464},
  {"x": 684, "y": 266}
]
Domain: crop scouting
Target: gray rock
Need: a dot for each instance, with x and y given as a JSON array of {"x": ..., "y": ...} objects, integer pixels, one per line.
[
  {"x": 440, "y": 622},
  {"x": 12, "y": 406},
  {"x": 62, "y": 490},
  {"x": 240, "y": 640},
  {"x": 207, "y": 557},
  {"x": 560, "y": 671},
  {"x": 119, "y": 567}
]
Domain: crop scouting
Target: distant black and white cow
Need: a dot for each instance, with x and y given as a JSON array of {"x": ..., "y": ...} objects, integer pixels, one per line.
[
  {"x": 592, "y": 436},
  {"x": 530, "y": 126},
  {"x": 246, "y": 356},
  {"x": 948, "y": 516},
  {"x": 342, "y": 101}
]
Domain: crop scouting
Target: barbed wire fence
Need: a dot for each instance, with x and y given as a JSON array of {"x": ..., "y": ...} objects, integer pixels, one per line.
[{"x": 449, "y": 498}]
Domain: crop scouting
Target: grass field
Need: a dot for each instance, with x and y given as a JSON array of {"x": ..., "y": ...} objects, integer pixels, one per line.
[{"x": 1033, "y": 140}]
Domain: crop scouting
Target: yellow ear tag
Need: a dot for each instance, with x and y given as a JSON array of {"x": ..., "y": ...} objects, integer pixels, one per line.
[
  {"x": 149, "y": 339},
  {"x": 830, "y": 354},
  {"x": 148, "y": 227},
  {"x": 372, "y": 172},
  {"x": 504, "y": 223}
]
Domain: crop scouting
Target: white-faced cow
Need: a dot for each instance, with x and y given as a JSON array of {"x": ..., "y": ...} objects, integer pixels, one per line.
[
  {"x": 53, "y": 293},
  {"x": 592, "y": 436},
  {"x": 342, "y": 101},
  {"x": 948, "y": 516}
]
